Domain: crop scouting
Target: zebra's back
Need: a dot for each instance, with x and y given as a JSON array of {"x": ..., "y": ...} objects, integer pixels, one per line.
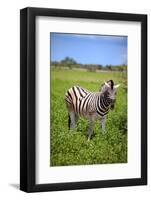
[
  {"x": 80, "y": 100},
  {"x": 74, "y": 96}
]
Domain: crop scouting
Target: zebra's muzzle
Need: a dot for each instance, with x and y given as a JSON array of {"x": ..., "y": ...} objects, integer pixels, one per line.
[{"x": 112, "y": 104}]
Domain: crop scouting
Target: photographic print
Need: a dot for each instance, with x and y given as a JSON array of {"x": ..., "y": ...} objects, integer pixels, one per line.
[
  {"x": 83, "y": 99},
  {"x": 88, "y": 104}
]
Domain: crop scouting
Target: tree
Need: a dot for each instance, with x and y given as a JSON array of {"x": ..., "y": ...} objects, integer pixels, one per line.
[
  {"x": 108, "y": 67},
  {"x": 68, "y": 62}
]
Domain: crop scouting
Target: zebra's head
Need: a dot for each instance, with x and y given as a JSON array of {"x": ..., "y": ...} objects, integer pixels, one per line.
[{"x": 110, "y": 90}]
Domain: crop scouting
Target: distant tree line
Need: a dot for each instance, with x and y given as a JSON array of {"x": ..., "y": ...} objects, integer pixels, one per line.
[{"x": 71, "y": 63}]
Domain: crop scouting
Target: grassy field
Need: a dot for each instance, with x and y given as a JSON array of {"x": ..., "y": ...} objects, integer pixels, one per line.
[{"x": 71, "y": 147}]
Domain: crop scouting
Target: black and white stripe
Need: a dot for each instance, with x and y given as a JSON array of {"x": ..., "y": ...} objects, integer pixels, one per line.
[
  {"x": 84, "y": 102},
  {"x": 90, "y": 105}
]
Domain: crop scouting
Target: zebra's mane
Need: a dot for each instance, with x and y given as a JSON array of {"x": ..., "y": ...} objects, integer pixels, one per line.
[{"x": 111, "y": 83}]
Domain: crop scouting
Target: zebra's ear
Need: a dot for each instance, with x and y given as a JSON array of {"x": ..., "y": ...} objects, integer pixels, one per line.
[
  {"x": 106, "y": 84},
  {"x": 116, "y": 86}
]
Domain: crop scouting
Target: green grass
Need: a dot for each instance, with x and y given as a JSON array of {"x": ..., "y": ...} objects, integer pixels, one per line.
[{"x": 71, "y": 147}]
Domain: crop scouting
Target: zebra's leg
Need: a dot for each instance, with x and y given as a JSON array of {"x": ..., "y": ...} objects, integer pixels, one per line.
[
  {"x": 72, "y": 120},
  {"x": 76, "y": 118},
  {"x": 90, "y": 129},
  {"x": 103, "y": 122}
]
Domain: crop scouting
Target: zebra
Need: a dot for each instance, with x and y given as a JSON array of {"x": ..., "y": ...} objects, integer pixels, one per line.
[{"x": 90, "y": 105}]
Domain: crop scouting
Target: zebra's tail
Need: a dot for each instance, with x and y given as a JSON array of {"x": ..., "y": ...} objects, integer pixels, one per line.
[{"x": 69, "y": 121}]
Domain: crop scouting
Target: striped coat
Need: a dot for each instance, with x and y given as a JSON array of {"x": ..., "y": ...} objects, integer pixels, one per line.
[
  {"x": 86, "y": 103},
  {"x": 90, "y": 105}
]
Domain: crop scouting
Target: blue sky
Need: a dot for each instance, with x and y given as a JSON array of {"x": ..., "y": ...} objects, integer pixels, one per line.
[{"x": 89, "y": 49}]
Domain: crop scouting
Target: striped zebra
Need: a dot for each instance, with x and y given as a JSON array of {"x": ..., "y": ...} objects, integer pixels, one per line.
[{"x": 90, "y": 105}]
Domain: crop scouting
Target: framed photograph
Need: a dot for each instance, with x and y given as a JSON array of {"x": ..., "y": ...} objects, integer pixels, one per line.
[{"x": 83, "y": 99}]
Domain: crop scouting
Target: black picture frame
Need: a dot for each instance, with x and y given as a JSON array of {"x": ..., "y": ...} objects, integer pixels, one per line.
[{"x": 28, "y": 99}]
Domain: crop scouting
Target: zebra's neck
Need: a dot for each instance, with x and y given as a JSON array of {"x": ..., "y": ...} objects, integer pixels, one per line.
[{"x": 104, "y": 102}]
